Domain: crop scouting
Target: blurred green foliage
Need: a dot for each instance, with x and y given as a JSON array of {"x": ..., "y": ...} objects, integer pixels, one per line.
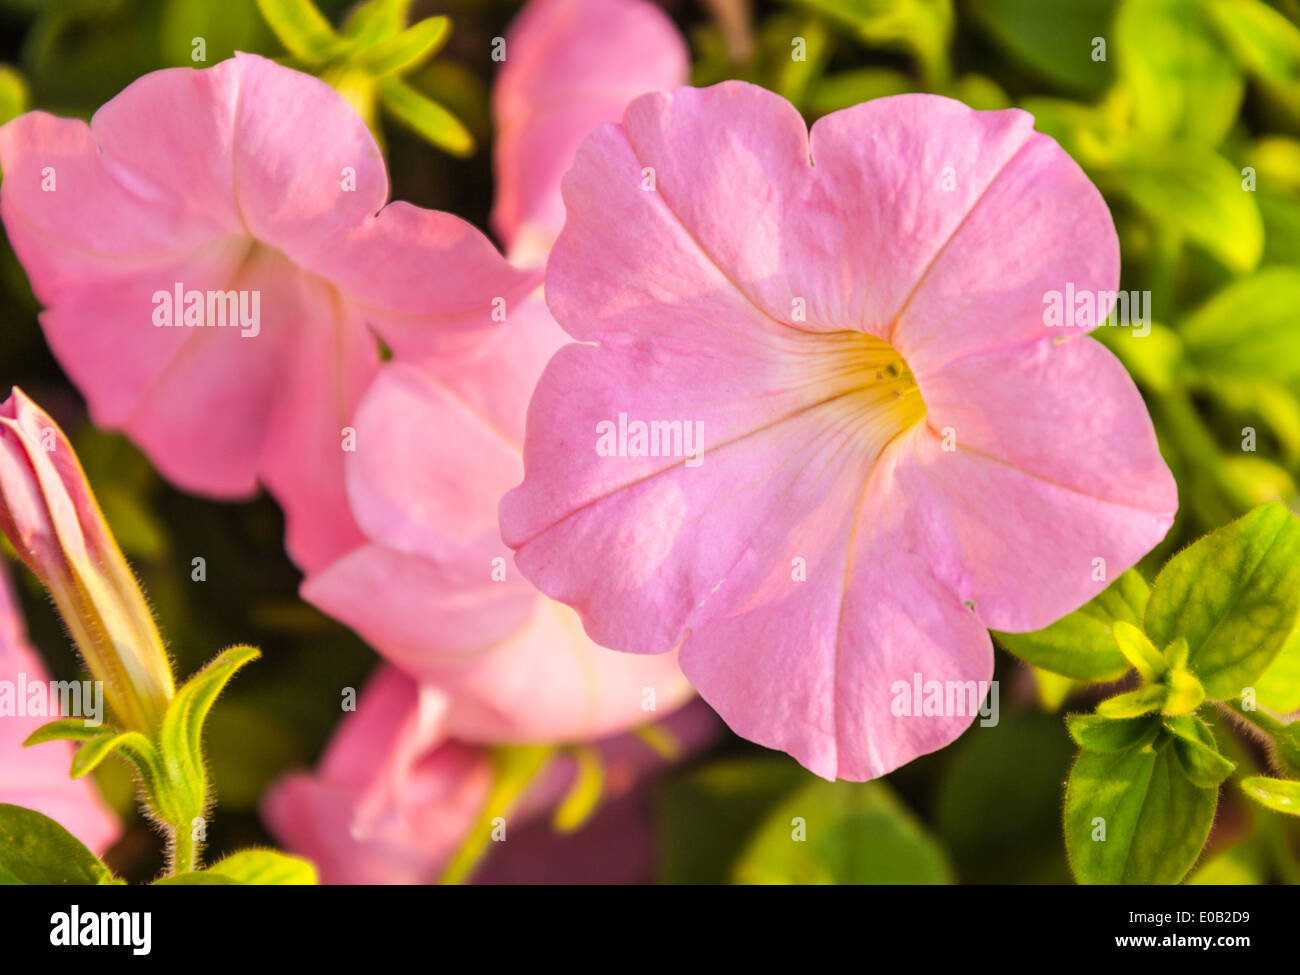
[
  {"x": 1185, "y": 113},
  {"x": 367, "y": 59}
]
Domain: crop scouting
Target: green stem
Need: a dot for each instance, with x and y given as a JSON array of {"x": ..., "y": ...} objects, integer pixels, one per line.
[
  {"x": 184, "y": 851},
  {"x": 1260, "y": 719}
]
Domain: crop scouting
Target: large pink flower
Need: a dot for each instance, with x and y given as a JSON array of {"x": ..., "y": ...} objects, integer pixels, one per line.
[
  {"x": 897, "y": 453},
  {"x": 246, "y": 182},
  {"x": 37, "y": 777},
  {"x": 440, "y": 441}
]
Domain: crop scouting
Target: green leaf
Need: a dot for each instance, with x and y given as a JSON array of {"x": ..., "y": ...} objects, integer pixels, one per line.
[
  {"x": 376, "y": 21},
  {"x": 411, "y": 47},
  {"x": 847, "y": 88},
  {"x": 196, "y": 878},
  {"x": 65, "y": 729},
  {"x": 1259, "y": 480},
  {"x": 1098, "y": 733},
  {"x": 979, "y": 92},
  {"x": 1183, "y": 81},
  {"x": 1086, "y": 132},
  {"x": 789, "y": 77},
  {"x": 1234, "y": 595},
  {"x": 100, "y": 742},
  {"x": 1082, "y": 645},
  {"x": 358, "y": 89},
  {"x": 886, "y": 21},
  {"x": 997, "y": 803},
  {"x": 265, "y": 867},
  {"x": 302, "y": 29},
  {"x": 1054, "y": 39},
  {"x": 1248, "y": 330},
  {"x": 1193, "y": 190},
  {"x": 842, "y": 833},
  {"x": 1139, "y": 650},
  {"x": 1134, "y": 703},
  {"x": 426, "y": 118},
  {"x": 181, "y": 736},
  {"x": 1053, "y": 689},
  {"x": 1276, "y": 159},
  {"x": 1271, "y": 400},
  {"x": 1133, "y": 817},
  {"x": 1237, "y": 866},
  {"x": 34, "y": 849},
  {"x": 1280, "y": 795},
  {"x": 226, "y": 27},
  {"x": 1155, "y": 360},
  {"x": 1184, "y": 693},
  {"x": 1197, "y": 751},
  {"x": 708, "y": 816},
  {"x": 1281, "y": 215},
  {"x": 14, "y": 96},
  {"x": 923, "y": 27},
  {"x": 1279, "y": 686},
  {"x": 1176, "y": 654},
  {"x": 1262, "y": 40},
  {"x": 96, "y": 749}
]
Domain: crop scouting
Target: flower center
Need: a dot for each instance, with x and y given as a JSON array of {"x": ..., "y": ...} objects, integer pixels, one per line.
[{"x": 877, "y": 397}]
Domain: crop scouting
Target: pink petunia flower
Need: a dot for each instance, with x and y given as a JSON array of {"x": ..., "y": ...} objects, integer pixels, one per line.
[
  {"x": 439, "y": 441},
  {"x": 395, "y": 796},
  {"x": 570, "y": 65},
  {"x": 213, "y": 252},
  {"x": 392, "y": 799},
  {"x": 37, "y": 777},
  {"x": 818, "y": 436}
]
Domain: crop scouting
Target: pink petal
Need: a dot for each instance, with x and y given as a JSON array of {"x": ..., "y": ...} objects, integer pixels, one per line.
[
  {"x": 427, "y": 281},
  {"x": 1080, "y": 470},
  {"x": 392, "y": 800},
  {"x": 438, "y": 443},
  {"x": 548, "y": 682},
  {"x": 413, "y": 609},
  {"x": 331, "y": 361},
  {"x": 102, "y": 333},
  {"x": 428, "y": 467},
  {"x": 73, "y": 217},
  {"x": 850, "y": 236},
  {"x": 813, "y": 668},
  {"x": 38, "y": 777},
  {"x": 275, "y": 148},
  {"x": 570, "y": 65},
  {"x": 518, "y": 666},
  {"x": 272, "y": 405}
]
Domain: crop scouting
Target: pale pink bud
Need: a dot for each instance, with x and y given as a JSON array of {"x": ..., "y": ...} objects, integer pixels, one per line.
[{"x": 51, "y": 517}]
